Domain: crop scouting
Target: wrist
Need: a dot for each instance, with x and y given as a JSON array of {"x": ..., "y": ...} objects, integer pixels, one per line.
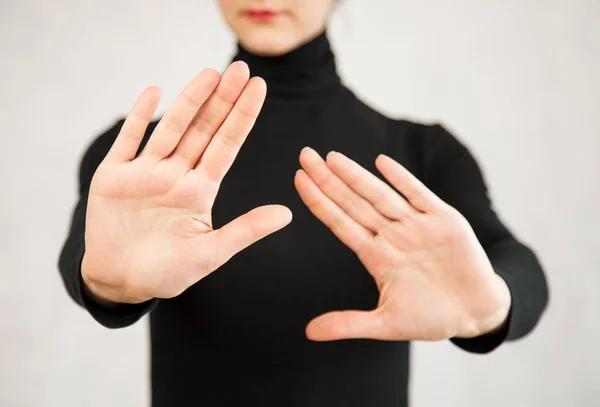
[
  {"x": 498, "y": 320},
  {"x": 91, "y": 291},
  {"x": 103, "y": 294}
]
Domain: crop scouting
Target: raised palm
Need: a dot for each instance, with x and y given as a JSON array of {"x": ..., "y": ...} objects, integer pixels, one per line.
[{"x": 148, "y": 225}]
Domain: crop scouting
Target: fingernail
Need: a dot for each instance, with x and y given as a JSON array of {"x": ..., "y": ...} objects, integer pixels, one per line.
[{"x": 331, "y": 152}]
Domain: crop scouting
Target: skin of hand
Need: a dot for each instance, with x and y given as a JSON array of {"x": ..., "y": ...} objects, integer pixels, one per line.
[
  {"x": 149, "y": 229},
  {"x": 434, "y": 278}
]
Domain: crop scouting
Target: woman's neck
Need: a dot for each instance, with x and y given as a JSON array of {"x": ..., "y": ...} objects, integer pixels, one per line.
[{"x": 308, "y": 70}]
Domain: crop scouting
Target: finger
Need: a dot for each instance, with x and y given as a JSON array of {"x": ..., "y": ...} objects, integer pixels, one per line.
[
  {"x": 247, "y": 229},
  {"x": 341, "y": 224},
  {"x": 176, "y": 120},
  {"x": 213, "y": 114},
  {"x": 346, "y": 325},
  {"x": 226, "y": 143},
  {"x": 132, "y": 132},
  {"x": 414, "y": 190},
  {"x": 387, "y": 201},
  {"x": 353, "y": 204}
]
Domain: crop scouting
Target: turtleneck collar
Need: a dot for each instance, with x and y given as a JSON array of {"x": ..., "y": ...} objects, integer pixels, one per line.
[{"x": 308, "y": 70}]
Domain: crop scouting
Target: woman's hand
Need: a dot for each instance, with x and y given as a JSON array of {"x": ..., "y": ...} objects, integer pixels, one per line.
[
  {"x": 148, "y": 224},
  {"x": 434, "y": 278}
]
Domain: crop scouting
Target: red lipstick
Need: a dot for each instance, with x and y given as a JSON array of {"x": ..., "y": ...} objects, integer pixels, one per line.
[{"x": 261, "y": 15}]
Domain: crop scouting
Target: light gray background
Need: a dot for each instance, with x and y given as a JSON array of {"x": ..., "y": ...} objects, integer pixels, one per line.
[{"x": 516, "y": 80}]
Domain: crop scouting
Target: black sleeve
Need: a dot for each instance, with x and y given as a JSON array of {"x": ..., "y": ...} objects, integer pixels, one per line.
[
  {"x": 454, "y": 175},
  {"x": 69, "y": 264}
]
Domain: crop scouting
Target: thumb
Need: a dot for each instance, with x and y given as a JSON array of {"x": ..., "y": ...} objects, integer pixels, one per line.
[
  {"x": 249, "y": 228},
  {"x": 346, "y": 325}
]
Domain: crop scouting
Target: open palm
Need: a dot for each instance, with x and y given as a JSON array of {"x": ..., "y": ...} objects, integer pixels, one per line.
[
  {"x": 435, "y": 279},
  {"x": 148, "y": 224}
]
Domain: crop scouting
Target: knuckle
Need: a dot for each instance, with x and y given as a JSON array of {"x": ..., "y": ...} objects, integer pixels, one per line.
[
  {"x": 246, "y": 112},
  {"x": 205, "y": 124},
  {"x": 191, "y": 98},
  {"x": 226, "y": 139},
  {"x": 379, "y": 223},
  {"x": 353, "y": 179},
  {"x": 325, "y": 180},
  {"x": 171, "y": 127}
]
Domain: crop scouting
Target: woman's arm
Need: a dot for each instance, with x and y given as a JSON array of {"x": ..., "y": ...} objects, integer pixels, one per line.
[{"x": 454, "y": 175}]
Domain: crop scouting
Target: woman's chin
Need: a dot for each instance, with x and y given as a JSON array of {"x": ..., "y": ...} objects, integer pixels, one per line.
[{"x": 268, "y": 42}]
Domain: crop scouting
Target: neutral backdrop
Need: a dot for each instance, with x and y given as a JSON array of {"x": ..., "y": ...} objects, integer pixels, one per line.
[{"x": 516, "y": 80}]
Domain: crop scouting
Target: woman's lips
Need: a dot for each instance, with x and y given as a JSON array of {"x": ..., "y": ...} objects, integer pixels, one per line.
[{"x": 261, "y": 15}]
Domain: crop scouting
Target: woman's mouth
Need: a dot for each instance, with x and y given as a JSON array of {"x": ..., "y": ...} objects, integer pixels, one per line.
[{"x": 261, "y": 15}]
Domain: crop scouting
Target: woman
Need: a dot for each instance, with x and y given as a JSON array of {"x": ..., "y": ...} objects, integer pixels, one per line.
[{"x": 319, "y": 313}]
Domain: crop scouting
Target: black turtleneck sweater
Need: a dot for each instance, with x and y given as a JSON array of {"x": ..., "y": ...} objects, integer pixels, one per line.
[{"x": 237, "y": 336}]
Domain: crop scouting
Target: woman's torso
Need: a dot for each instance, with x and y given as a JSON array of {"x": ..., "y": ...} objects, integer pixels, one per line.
[{"x": 238, "y": 334}]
